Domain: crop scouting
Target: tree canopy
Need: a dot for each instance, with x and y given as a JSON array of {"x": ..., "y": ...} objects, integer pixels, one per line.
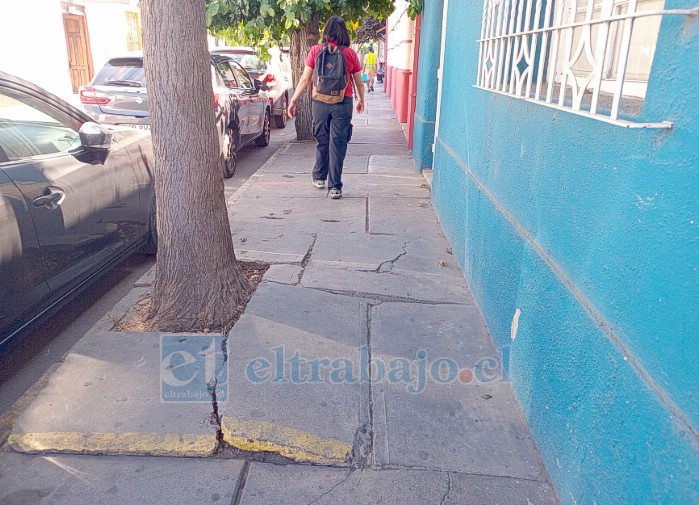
[
  {"x": 264, "y": 22},
  {"x": 371, "y": 29}
]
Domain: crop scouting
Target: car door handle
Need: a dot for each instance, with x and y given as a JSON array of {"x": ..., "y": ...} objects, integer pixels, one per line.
[{"x": 49, "y": 199}]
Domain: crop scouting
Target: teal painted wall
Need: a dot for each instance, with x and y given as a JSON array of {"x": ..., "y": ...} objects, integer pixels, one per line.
[
  {"x": 428, "y": 63},
  {"x": 592, "y": 231}
]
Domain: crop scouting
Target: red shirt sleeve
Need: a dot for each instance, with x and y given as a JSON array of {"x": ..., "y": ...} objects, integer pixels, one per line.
[
  {"x": 353, "y": 65},
  {"x": 311, "y": 58}
]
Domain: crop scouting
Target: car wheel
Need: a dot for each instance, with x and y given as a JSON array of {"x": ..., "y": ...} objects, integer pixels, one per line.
[
  {"x": 280, "y": 121},
  {"x": 151, "y": 246},
  {"x": 230, "y": 147},
  {"x": 263, "y": 139}
]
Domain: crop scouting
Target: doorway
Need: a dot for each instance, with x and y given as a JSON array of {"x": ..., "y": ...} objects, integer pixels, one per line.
[{"x": 79, "y": 56}]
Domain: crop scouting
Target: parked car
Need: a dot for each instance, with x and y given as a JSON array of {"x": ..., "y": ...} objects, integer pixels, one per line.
[
  {"x": 274, "y": 74},
  {"x": 76, "y": 197},
  {"x": 117, "y": 95}
]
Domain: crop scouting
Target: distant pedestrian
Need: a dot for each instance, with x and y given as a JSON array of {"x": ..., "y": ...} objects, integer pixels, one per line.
[
  {"x": 370, "y": 69},
  {"x": 331, "y": 92}
]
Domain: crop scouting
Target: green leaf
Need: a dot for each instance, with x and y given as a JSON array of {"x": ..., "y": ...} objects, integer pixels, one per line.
[{"x": 212, "y": 9}]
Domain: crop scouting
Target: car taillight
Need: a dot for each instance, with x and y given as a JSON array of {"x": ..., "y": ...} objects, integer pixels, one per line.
[
  {"x": 89, "y": 95},
  {"x": 269, "y": 79},
  {"x": 216, "y": 99}
]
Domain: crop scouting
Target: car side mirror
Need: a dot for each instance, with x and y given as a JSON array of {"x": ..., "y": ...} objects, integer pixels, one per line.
[
  {"x": 96, "y": 141},
  {"x": 95, "y": 137}
]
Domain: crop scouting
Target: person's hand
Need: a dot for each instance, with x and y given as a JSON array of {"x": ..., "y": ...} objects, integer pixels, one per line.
[
  {"x": 291, "y": 110},
  {"x": 360, "y": 106}
]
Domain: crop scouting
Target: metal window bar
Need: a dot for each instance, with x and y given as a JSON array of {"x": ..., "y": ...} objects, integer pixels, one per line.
[{"x": 511, "y": 46}]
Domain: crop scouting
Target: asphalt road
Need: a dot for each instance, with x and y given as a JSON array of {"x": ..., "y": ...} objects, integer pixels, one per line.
[{"x": 39, "y": 349}]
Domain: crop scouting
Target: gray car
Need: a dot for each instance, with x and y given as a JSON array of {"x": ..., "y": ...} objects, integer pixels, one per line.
[
  {"x": 75, "y": 198},
  {"x": 118, "y": 95},
  {"x": 274, "y": 74}
]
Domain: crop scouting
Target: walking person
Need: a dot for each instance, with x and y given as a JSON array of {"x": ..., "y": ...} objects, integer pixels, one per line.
[
  {"x": 370, "y": 68},
  {"x": 331, "y": 102}
]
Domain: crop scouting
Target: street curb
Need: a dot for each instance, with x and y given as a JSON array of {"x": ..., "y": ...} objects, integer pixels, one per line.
[
  {"x": 8, "y": 419},
  {"x": 261, "y": 436},
  {"x": 128, "y": 444}
]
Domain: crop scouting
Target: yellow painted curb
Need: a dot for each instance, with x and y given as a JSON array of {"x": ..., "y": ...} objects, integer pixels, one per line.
[
  {"x": 133, "y": 444},
  {"x": 250, "y": 435}
]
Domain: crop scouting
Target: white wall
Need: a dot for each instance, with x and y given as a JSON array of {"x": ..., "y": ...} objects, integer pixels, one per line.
[
  {"x": 399, "y": 37},
  {"x": 34, "y": 45},
  {"x": 107, "y": 26}
]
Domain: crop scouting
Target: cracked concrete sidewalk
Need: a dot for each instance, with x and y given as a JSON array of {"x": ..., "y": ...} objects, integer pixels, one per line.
[{"x": 355, "y": 285}]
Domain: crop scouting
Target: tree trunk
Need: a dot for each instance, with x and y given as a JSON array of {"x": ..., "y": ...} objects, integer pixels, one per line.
[
  {"x": 301, "y": 42},
  {"x": 198, "y": 283}
]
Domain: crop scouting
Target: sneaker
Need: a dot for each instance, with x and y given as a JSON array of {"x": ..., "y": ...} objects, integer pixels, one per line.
[
  {"x": 319, "y": 183},
  {"x": 335, "y": 193}
]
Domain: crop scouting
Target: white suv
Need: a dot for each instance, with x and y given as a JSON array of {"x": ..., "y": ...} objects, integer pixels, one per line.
[{"x": 275, "y": 76}]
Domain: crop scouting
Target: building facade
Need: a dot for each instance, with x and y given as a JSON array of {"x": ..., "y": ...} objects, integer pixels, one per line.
[
  {"x": 564, "y": 140},
  {"x": 59, "y": 45},
  {"x": 400, "y": 30}
]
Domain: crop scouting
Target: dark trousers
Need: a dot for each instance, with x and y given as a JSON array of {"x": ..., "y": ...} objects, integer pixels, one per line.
[{"x": 332, "y": 129}]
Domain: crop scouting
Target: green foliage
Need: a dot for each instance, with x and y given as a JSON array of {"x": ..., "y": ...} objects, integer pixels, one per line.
[
  {"x": 414, "y": 8},
  {"x": 268, "y": 22}
]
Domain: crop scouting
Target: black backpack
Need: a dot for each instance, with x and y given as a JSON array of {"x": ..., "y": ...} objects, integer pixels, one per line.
[{"x": 330, "y": 75}]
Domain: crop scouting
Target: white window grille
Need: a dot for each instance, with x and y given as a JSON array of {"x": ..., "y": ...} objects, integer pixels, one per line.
[{"x": 589, "y": 57}]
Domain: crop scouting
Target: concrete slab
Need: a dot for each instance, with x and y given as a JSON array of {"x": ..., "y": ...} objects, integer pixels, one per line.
[
  {"x": 305, "y": 215},
  {"x": 87, "y": 480},
  {"x": 498, "y": 491},
  {"x": 306, "y": 148},
  {"x": 385, "y": 185},
  {"x": 293, "y": 162},
  {"x": 398, "y": 164},
  {"x": 284, "y": 274},
  {"x": 480, "y": 426},
  {"x": 454, "y": 331},
  {"x": 256, "y": 241},
  {"x": 293, "y": 485},
  {"x": 283, "y": 184},
  {"x": 355, "y": 164},
  {"x": 298, "y": 484},
  {"x": 392, "y": 285},
  {"x": 394, "y": 216},
  {"x": 290, "y": 485},
  {"x": 387, "y": 253},
  {"x": 299, "y": 407},
  {"x": 475, "y": 413},
  {"x": 105, "y": 399},
  {"x": 369, "y": 134},
  {"x": 370, "y": 147}
]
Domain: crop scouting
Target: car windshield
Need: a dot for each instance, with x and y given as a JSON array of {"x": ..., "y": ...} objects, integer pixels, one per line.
[
  {"x": 247, "y": 61},
  {"x": 122, "y": 72}
]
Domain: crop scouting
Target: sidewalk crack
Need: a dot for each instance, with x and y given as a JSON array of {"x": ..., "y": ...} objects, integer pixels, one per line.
[
  {"x": 306, "y": 259},
  {"x": 363, "y": 444},
  {"x": 446, "y": 495},
  {"x": 387, "y": 266},
  {"x": 242, "y": 480},
  {"x": 366, "y": 222},
  {"x": 334, "y": 487},
  {"x": 212, "y": 385},
  {"x": 377, "y": 297}
]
